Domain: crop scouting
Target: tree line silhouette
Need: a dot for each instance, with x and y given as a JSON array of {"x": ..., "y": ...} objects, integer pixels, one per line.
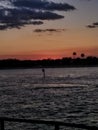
[{"x": 74, "y": 61}]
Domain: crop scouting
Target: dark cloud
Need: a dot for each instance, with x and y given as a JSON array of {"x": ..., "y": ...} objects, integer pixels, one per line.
[
  {"x": 93, "y": 25},
  {"x": 48, "y": 30},
  {"x": 18, "y": 25},
  {"x": 18, "y": 13},
  {"x": 16, "y": 19},
  {"x": 90, "y": 26},
  {"x": 43, "y": 5}
]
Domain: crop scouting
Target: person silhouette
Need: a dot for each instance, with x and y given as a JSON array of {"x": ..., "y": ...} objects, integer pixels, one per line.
[{"x": 43, "y": 70}]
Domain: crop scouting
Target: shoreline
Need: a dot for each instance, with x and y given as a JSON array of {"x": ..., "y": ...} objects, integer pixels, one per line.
[
  {"x": 47, "y": 67},
  {"x": 49, "y": 63}
]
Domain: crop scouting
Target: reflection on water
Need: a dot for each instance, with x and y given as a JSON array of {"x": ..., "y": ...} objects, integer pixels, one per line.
[{"x": 69, "y": 95}]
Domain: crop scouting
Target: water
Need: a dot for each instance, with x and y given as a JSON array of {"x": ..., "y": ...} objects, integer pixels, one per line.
[{"x": 66, "y": 94}]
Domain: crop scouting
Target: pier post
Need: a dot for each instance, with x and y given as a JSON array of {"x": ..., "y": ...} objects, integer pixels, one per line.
[
  {"x": 56, "y": 127},
  {"x": 2, "y": 124}
]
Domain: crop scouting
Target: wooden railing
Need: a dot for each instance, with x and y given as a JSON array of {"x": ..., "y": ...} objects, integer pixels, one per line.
[{"x": 56, "y": 124}]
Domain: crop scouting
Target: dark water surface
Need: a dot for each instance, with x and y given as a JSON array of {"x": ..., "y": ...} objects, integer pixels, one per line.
[{"x": 66, "y": 94}]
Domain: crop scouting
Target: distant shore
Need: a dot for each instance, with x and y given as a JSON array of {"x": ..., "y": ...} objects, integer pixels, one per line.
[{"x": 49, "y": 63}]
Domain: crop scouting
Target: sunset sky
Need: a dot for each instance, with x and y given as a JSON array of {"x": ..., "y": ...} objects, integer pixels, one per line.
[{"x": 37, "y": 29}]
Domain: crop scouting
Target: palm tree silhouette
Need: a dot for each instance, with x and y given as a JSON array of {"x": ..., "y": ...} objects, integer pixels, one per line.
[
  {"x": 82, "y": 55},
  {"x": 74, "y": 55}
]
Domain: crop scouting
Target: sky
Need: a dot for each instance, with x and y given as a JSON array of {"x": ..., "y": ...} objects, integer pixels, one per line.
[{"x": 41, "y": 29}]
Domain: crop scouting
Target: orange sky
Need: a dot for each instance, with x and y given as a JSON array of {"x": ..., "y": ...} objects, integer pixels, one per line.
[{"x": 24, "y": 43}]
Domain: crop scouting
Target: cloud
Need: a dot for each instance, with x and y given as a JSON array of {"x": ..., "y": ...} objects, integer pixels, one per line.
[
  {"x": 48, "y": 30},
  {"x": 17, "y": 13},
  {"x": 18, "y": 25},
  {"x": 93, "y": 25},
  {"x": 43, "y": 5}
]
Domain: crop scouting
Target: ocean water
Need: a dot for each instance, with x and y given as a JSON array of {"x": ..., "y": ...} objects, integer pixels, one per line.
[{"x": 66, "y": 94}]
